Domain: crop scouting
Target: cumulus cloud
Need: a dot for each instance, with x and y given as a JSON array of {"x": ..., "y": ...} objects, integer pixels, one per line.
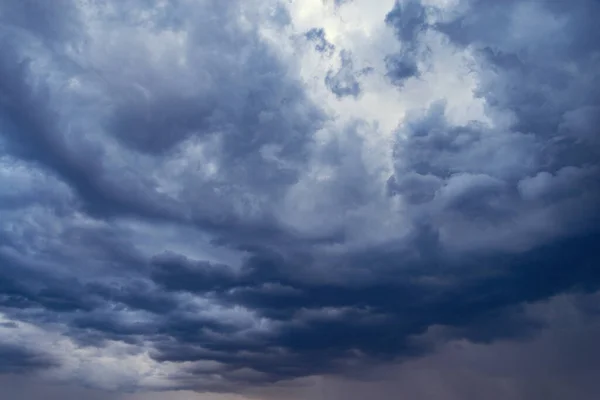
[{"x": 230, "y": 195}]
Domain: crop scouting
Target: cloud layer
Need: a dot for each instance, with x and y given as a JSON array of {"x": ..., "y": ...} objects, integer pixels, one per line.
[{"x": 217, "y": 196}]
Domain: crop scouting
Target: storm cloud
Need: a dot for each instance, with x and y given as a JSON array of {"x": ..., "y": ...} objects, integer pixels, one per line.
[{"x": 230, "y": 196}]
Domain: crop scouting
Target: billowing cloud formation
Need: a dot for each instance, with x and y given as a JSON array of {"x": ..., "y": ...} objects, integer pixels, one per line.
[{"x": 214, "y": 195}]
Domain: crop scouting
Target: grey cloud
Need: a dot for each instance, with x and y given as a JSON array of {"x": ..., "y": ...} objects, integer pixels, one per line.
[
  {"x": 558, "y": 363},
  {"x": 169, "y": 162},
  {"x": 246, "y": 116},
  {"x": 23, "y": 288},
  {"x": 17, "y": 360},
  {"x": 28, "y": 388},
  {"x": 317, "y": 35},
  {"x": 56, "y": 22},
  {"x": 178, "y": 273},
  {"x": 416, "y": 188},
  {"x": 409, "y": 19},
  {"x": 39, "y": 138},
  {"x": 532, "y": 81},
  {"x": 434, "y": 146},
  {"x": 473, "y": 195},
  {"x": 488, "y": 177},
  {"x": 582, "y": 123},
  {"x": 344, "y": 82},
  {"x": 322, "y": 322},
  {"x": 401, "y": 67}
]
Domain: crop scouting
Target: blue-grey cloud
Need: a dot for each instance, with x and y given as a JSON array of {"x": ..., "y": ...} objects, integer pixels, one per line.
[
  {"x": 409, "y": 20},
  {"x": 16, "y": 360},
  {"x": 171, "y": 185},
  {"x": 317, "y": 36},
  {"x": 344, "y": 82}
]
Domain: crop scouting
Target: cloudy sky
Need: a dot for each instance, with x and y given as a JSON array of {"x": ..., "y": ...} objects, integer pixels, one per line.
[{"x": 299, "y": 199}]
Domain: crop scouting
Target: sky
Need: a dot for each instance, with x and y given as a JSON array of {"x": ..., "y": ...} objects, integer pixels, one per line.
[{"x": 299, "y": 199}]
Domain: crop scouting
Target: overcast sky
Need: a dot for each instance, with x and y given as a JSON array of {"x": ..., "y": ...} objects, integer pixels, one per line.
[{"x": 299, "y": 199}]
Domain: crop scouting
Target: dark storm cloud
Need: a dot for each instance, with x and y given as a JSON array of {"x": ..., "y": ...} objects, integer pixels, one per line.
[
  {"x": 147, "y": 153},
  {"x": 35, "y": 135},
  {"x": 17, "y": 360},
  {"x": 246, "y": 106},
  {"x": 23, "y": 287},
  {"x": 560, "y": 363},
  {"x": 244, "y": 102},
  {"x": 323, "y": 322}
]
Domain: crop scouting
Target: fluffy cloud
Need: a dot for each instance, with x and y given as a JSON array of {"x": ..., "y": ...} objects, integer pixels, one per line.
[{"x": 225, "y": 195}]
